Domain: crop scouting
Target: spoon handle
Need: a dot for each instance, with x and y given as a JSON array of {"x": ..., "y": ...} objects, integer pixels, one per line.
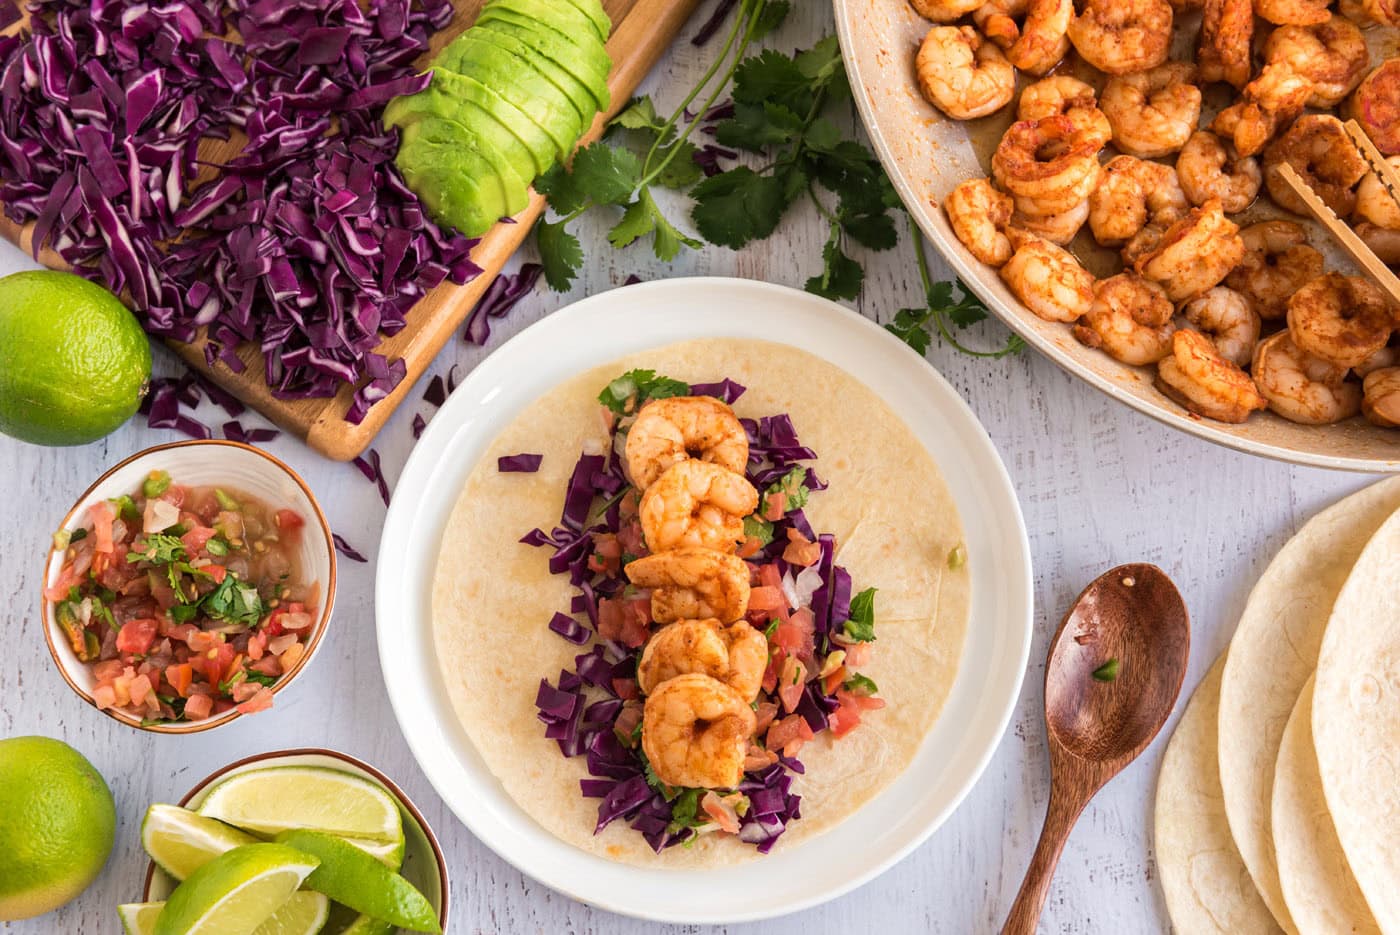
[{"x": 1064, "y": 810}]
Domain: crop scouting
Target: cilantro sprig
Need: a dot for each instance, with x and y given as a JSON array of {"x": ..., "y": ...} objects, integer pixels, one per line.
[
  {"x": 626, "y": 394},
  {"x": 860, "y": 627},
  {"x": 941, "y": 309}
]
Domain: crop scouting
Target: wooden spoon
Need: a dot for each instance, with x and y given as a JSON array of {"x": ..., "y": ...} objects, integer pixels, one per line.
[{"x": 1112, "y": 677}]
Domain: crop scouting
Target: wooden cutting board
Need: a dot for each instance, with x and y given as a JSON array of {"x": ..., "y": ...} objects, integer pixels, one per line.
[{"x": 642, "y": 31}]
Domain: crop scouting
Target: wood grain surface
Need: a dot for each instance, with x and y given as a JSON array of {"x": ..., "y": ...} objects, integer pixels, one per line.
[
  {"x": 642, "y": 31},
  {"x": 1099, "y": 485}
]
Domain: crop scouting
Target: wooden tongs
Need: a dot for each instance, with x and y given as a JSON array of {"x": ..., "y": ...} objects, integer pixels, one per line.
[{"x": 1341, "y": 231}]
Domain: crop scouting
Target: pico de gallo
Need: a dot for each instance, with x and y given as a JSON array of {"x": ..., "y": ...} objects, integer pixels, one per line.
[
  {"x": 184, "y": 601},
  {"x": 819, "y": 634}
]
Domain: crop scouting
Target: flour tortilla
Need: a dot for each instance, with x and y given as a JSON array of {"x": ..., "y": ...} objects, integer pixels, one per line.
[
  {"x": 1318, "y": 886},
  {"x": 895, "y": 524},
  {"x": 1356, "y": 722},
  {"x": 1207, "y": 888},
  {"x": 1273, "y": 652}
]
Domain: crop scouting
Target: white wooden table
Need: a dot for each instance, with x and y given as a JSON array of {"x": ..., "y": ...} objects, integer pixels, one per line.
[{"x": 1099, "y": 484}]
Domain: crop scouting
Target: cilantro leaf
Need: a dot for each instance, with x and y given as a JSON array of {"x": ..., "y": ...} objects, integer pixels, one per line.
[
  {"x": 821, "y": 63},
  {"x": 158, "y": 549},
  {"x": 606, "y": 173},
  {"x": 627, "y": 393},
  {"x": 793, "y": 485},
  {"x": 639, "y": 115},
  {"x": 636, "y": 221},
  {"x": 875, "y": 231},
  {"x": 560, "y": 192},
  {"x": 771, "y": 18},
  {"x": 772, "y": 77},
  {"x": 758, "y": 528},
  {"x": 235, "y": 601},
  {"x": 757, "y": 126},
  {"x": 909, "y": 327},
  {"x": 681, "y": 170},
  {"x": 737, "y": 206},
  {"x": 860, "y": 685},
  {"x": 841, "y": 277},
  {"x": 860, "y": 627},
  {"x": 560, "y": 253}
]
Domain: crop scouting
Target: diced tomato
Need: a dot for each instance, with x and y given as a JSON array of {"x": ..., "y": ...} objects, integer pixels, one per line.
[
  {"x": 216, "y": 573},
  {"x": 789, "y": 734},
  {"x": 107, "y": 670},
  {"x": 774, "y": 506},
  {"x": 775, "y": 665},
  {"x": 267, "y": 665},
  {"x": 751, "y": 547},
  {"x": 629, "y": 536},
  {"x": 195, "y": 540},
  {"x": 198, "y": 707},
  {"x": 257, "y": 644},
  {"x": 104, "y": 696},
  {"x": 102, "y": 516},
  {"x": 139, "y": 690},
  {"x": 136, "y": 636},
  {"x": 861, "y": 702},
  {"x": 291, "y": 656},
  {"x": 800, "y": 550},
  {"x": 636, "y": 621},
  {"x": 721, "y": 811},
  {"x": 833, "y": 679},
  {"x": 756, "y": 758},
  {"x": 259, "y": 702},
  {"x": 627, "y": 689},
  {"x": 792, "y": 682},
  {"x": 213, "y": 663},
  {"x": 843, "y": 720},
  {"x": 67, "y": 578},
  {"x": 201, "y": 641},
  {"x": 244, "y": 690},
  {"x": 289, "y": 520},
  {"x": 606, "y": 545},
  {"x": 857, "y": 655},
  {"x": 180, "y": 677},
  {"x": 629, "y": 717},
  {"x": 770, "y": 576},
  {"x": 767, "y": 600},
  {"x": 764, "y": 716},
  {"x": 182, "y": 632}
]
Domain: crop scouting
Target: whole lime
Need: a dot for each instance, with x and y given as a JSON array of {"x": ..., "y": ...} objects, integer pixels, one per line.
[
  {"x": 57, "y": 823},
  {"x": 74, "y": 362}
]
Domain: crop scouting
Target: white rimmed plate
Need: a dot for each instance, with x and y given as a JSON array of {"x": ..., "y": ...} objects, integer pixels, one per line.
[{"x": 602, "y": 328}]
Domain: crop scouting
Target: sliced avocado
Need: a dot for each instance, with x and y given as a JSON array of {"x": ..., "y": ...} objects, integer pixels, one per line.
[
  {"x": 516, "y": 80},
  {"x": 561, "y": 14},
  {"x": 583, "y": 58},
  {"x": 453, "y": 97},
  {"x": 578, "y": 93},
  {"x": 596, "y": 15},
  {"x": 449, "y": 133},
  {"x": 457, "y": 185}
]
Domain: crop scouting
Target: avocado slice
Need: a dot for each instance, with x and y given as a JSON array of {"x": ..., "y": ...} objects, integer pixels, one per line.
[
  {"x": 578, "y": 93},
  {"x": 516, "y": 80},
  {"x": 466, "y": 101},
  {"x": 583, "y": 57},
  {"x": 593, "y": 9},
  {"x": 561, "y": 14},
  {"x": 448, "y": 133},
  {"x": 456, "y": 184}
]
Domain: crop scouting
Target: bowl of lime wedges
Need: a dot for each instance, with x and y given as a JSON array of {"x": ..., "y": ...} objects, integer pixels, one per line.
[{"x": 294, "y": 842}]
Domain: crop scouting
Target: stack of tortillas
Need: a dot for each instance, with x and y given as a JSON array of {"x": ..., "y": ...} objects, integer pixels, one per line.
[{"x": 1278, "y": 804}]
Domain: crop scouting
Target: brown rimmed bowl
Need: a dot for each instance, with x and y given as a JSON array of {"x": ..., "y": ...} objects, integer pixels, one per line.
[
  {"x": 423, "y": 865},
  {"x": 198, "y": 463}
]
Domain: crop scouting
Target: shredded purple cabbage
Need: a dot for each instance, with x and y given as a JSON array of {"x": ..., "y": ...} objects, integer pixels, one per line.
[
  {"x": 707, "y": 157},
  {"x": 504, "y": 293},
  {"x": 370, "y": 466},
  {"x": 419, "y": 424},
  {"x": 235, "y": 432},
  {"x": 346, "y": 549},
  {"x": 306, "y": 244},
  {"x": 711, "y": 26},
  {"x": 519, "y": 464},
  {"x": 168, "y": 397}
]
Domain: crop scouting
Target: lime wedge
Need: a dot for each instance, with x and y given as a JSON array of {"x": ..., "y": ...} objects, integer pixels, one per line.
[
  {"x": 236, "y": 892},
  {"x": 387, "y": 853},
  {"x": 139, "y": 918},
  {"x": 181, "y": 841},
  {"x": 346, "y": 921},
  {"x": 282, "y": 798},
  {"x": 305, "y": 913},
  {"x": 353, "y": 878}
]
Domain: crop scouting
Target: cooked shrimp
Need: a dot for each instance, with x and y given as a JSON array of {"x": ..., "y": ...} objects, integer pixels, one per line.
[
  {"x": 695, "y": 504},
  {"x": 1195, "y": 253},
  {"x": 1223, "y": 49},
  {"x": 693, "y": 584},
  {"x": 1383, "y": 241},
  {"x": 944, "y": 11},
  {"x": 1123, "y": 36},
  {"x": 1300, "y": 387},
  {"x": 979, "y": 214},
  {"x": 1293, "y": 12},
  {"x": 1277, "y": 263},
  {"x": 1197, "y": 377},
  {"x": 1209, "y": 169},
  {"x": 1341, "y": 319},
  {"x": 1331, "y": 54},
  {"x": 1380, "y": 360},
  {"x": 736, "y": 655},
  {"x": 1380, "y": 402},
  {"x": 1374, "y": 201},
  {"x": 962, "y": 74},
  {"x": 1133, "y": 194},
  {"x": 1048, "y": 165},
  {"x": 695, "y": 731},
  {"x": 668, "y": 431},
  {"x": 1132, "y": 319},
  {"x": 1376, "y": 106},
  {"x": 1063, "y": 95},
  {"x": 1058, "y": 228},
  {"x": 1047, "y": 278},
  {"x": 1371, "y": 12},
  {"x": 1319, "y": 150},
  {"x": 997, "y": 20},
  {"x": 1225, "y": 316},
  {"x": 1267, "y": 103},
  {"x": 1153, "y": 113},
  {"x": 1043, "y": 41}
]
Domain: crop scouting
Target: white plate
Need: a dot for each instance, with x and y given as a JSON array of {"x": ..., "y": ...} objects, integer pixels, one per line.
[{"x": 630, "y": 319}]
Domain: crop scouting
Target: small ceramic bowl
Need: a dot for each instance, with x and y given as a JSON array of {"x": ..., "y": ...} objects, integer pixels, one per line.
[
  {"x": 199, "y": 463},
  {"x": 423, "y": 863}
]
